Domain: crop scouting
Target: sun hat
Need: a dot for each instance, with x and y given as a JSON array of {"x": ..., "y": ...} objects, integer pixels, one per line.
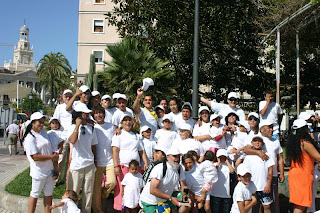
[
  {"x": 36, "y": 116},
  {"x": 203, "y": 108},
  {"x": 94, "y": 93},
  {"x": 84, "y": 88},
  {"x": 254, "y": 114},
  {"x": 173, "y": 151},
  {"x": 185, "y": 126},
  {"x": 232, "y": 95},
  {"x": 80, "y": 107},
  {"x": 125, "y": 115},
  {"x": 106, "y": 97},
  {"x": 122, "y": 96},
  {"x": 242, "y": 170},
  {"x": 297, "y": 124},
  {"x": 53, "y": 118},
  {"x": 144, "y": 128},
  {"x": 245, "y": 124},
  {"x": 222, "y": 152},
  {"x": 67, "y": 91},
  {"x": 159, "y": 107},
  {"x": 305, "y": 116},
  {"x": 186, "y": 105},
  {"x": 214, "y": 116},
  {"x": 167, "y": 117},
  {"x": 257, "y": 136},
  {"x": 146, "y": 83},
  {"x": 115, "y": 95},
  {"x": 264, "y": 123},
  {"x": 159, "y": 148}
]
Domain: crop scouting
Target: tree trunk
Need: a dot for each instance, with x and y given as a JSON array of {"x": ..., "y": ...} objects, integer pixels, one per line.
[{"x": 51, "y": 90}]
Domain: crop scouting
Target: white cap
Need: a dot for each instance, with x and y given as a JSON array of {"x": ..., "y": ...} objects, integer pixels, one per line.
[
  {"x": 80, "y": 107},
  {"x": 125, "y": 115},
  {"x": 67, "y": 91},
  {"x": 115, "y": 95},
  {"x": 257, "y": 136},
  {"x": 264, "y": 123},
  {"x": 106, "y": 97},
  {"x": 242, "y": 170},
  {"x": 254, "y": 114},
  {"x": 167, "y": 117},
  {"x": 305, "y": 116},
  {"x": 157, "y": 147},
  {"x": 214, "y": 116},
  {"x": 203, "y": 108},
  {"x": 53, "y": 118},
  {"x": 94, "y": 93},
  {"x": 297, "y": 124},
  {"x": 245, "y": 124},
  {"x": 123, "y": 96},
  {"x": 36, "y": 116},
  {"x": 144, "y": 128},
  {"x": 146, "y": 83},
  {"x": 186, "y": 104},
  {"x": 84, "y": 88},
  {"x": 222, "y": 152},
  {"x": 232, "y": 95},
  {"x": 159, "y": 106},
  {"x": 185, "y": 126},
  {"x": 173, "y": 151}
]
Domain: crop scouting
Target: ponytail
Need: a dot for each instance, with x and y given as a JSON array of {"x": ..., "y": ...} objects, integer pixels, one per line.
[{"x": 28, "y": 130}]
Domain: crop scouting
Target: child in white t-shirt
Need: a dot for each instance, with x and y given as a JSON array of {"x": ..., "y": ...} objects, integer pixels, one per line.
[
  {"x": 217, "y": 133},
  {"x": 68, "y": 202},
  {"x": 148, "y": 143},
  {"x": 244, "y": 197},
  {"x": 165, "y": 136},
  {"x": 56, "y": 141},
  {"x": 261, "y": 175},
  {"x": 239, "y": 141},
  {"x": 132, "y": 184}
]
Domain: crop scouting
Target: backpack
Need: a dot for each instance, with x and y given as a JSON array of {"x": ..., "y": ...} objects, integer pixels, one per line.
[{"x": 147, "y": 172}]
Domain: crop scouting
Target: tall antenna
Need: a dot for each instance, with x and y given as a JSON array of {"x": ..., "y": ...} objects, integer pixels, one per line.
[{"x": 25, "y": 21}]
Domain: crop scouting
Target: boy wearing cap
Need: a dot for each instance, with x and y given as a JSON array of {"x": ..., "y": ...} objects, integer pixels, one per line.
[
  {"x": 84, "y": 96},
  {"x": 105, "y": 103},
  {"x": 185, "y": 118},
  {"x": 220, "y": 197},
  {"x": 122, "y": 109},
  {"x": 244, "y": 197},
  {"x": 148, "y": 143},
  {"x": 160, "y": 113},
  {"x": 261, "y": 175},
  {"x": 224, "y": 109},
  {"x": 165, "y": 136},
  {"x": 95, "y": 99}
]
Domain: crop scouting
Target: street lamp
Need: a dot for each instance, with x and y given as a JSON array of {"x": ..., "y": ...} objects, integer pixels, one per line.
[{"x": 30, "y": 98}]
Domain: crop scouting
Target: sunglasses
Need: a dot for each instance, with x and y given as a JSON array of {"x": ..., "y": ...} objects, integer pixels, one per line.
[
  {"x": 83, "y": 130},
  {"x": 253, "y": 118},
  {"x": 233, "y": 99}
]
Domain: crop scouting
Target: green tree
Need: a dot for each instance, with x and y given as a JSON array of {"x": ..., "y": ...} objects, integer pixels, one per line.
[
  {"x": 89, "y": 77},
  {"x": 130, "y": 64},
  {"x": 54, "y": 71},
  {"x": 228, "y": 49},
  {"x": 36, "y": 104}
]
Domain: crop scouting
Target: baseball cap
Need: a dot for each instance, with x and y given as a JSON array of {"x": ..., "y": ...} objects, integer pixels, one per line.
[
  {"x": 254, "y": 114},
  {"x": 144, "y": 128},
  {"x": 80, "y": 107},
  {"x": 67, "y": 91},
  {"x": 115, "y": 95},
  {"x": 106, "y": 97},
  {"x": 264, "y": 123},
  {"x": 94, "y": 93},
  {"x": 297, "y": 124},
  {"x": 186, "y": 105},
  {"x": 122, "y": 96},
  {"x": 159, "y": 148},
  {"x": 245, "y": 124},
  {"x": 125, "y": 115},
  {"x": 257, "y": 136},
  {"x": 167, "y": 117},
  {"x": 53, "y": 118},
  {"x": 214, "y": 116},
  {"x": 242, "y": 170},
  {"x": 222, "y": 152},
  {"x": 36, "y": 116},
  {"x": 203, "y": 108},
  {"x": 159, "y": 107},
  {"x": 84, "y": 88},
  {"x": 146, "y": 83},
  {"x": 305, "y": 116},
  {"x": 185, "y": 126},
  {"x": 232, "y": 95},
  {"x": 173, "y": 151}
]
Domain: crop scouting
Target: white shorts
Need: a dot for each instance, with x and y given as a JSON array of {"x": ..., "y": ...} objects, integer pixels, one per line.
[{"x": 47, "y": 184}]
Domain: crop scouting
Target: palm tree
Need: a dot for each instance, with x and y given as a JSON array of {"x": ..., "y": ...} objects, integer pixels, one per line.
[
  {"x": 130, "y": 64},
  {"x": 54, "y": 71}
]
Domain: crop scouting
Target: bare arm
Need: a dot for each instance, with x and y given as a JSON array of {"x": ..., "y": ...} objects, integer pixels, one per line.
[
  {"x": 264, "y": 110},
  {"x": 57, "y": 205},
  {"x": 309, "y": 148},
  {"x": 74, "y": 136},
  {"x": 205, "y": 101},
  {"x": 38, "y": 157},
  {"x": 245, "y": 208},
  {"x": 143, "y": 156},
  {"x": 231, "y": 169},
  {"x": 267, "y": 188},
  {"x": 136, "y": 107},
  {"x": 115, "y": 156},
  {"x": 251, "y": 151},
  {"x": 154, "y": 190},
  {"x": 281, "y": 167},
  {"x": 72, "y": 99},
  {"x": 94, "y": 151},
  {"x": 202, "y": 138}
]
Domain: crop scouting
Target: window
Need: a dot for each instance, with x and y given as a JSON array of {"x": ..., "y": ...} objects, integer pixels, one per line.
[
  {"x": 98, "y": 56},
  {"x": 98, "y": 26},
  {"x": 99, "y": 1}
]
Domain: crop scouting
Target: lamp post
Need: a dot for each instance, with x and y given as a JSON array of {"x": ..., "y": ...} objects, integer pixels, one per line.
[{"x": 30, "y": 98}]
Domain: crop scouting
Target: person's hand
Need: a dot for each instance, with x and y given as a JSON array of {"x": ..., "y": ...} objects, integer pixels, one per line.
[
  {"x": 268, "y": 98},
  {"x": 78, "y": 121},
  {"x": 139, "y": 93},
  {"x": 263, "y": 155},
  {"x": 233, "y": 128},
  {"x": 78, "y": 92},
  {"x": 145, "y": 167},
  {"x": 281, "y": 178},
  {"x": 218, "y": 160},
  {"x": 117, "y": 171},
  {"x": 267, "y": 189},
  {"x": 91, "y": 122},
  {"x": 52, "y": 206},
  {"x": 254, "y": 199},
  {"x": 117, "y": 132},
  {"x": 175, "y": 201},
  {"x": 247, "y": 202},
  {"x": 191, "y": 91},
  {"x": 55, "y": 158}
]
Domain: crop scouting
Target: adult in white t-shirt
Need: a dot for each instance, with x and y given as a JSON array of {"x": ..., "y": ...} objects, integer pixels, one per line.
[
  {"x": 82, "y": 168},
  {"x": 185, "y": 117},
  {"x": 270, "y": 110},
  {"x": 104, "y": 162},
  {"x": 225, "y": 109},
  {"x": 174, "y": 105},
  {"x": 40, "y": 155},
  {"x": 147, "y": 116},
  {"x": 83, "y": 93},
  {"x": 125, "y": 147},
  {"x": 253, "y": 121},
  {"x": 203, "y": 129}
]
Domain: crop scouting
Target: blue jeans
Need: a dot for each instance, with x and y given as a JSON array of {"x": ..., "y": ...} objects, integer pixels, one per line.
[{"x": 220, "y": 205}]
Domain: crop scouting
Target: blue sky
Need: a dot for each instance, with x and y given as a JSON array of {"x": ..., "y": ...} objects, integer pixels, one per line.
[{"x": 53, "y": 27}]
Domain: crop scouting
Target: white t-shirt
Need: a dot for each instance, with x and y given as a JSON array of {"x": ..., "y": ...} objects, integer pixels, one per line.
[
  {"x": 250, "y": 136},
  {"x": 108, "y": 115},
  {"x": 242, "y": 193},
  {"x": 146, "y": 119},
  {"x": 69, "y": 206},
  {"x": 225, "y": 109},
  {"x": 129, "y": 147},
  {"x": 209, "y": 171},
  {"x": 165, "y": 138},
  {"x": 64, "y": 117},
  {"x": 39, "y": 144},
  {"x": 178, "y": 122},
  {"x": 222, "y": 187},
  {"x": 271, "y": 114},
  {"x": 195, "y": 180},
  {"x": 148, "y": 145},
  {"x": 174, "y": 117},
  {"x": 214, "y": 132},
  {"x": 55, "y": 139},
  {"x": 239, "y": 140},
  {"x": 104, "y": 134},
  {"x": 188, "y": 144},
  {"x": 160, "y": 124},
  {"x": 258, "y": 169},
  {"x": 168, "y": 183},
  {"x": 82, "y": 155},
  {"x": 117, "y": 116},
  {"x": 201, "y": 130},
  {"x": 273, "y": 148},
  {"x": 133, "y": 184}
]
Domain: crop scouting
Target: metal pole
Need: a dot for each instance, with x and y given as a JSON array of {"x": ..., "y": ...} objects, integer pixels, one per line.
[
  {"x": 298, "y": 73},
  {"x": 278, "y": 67},
  {"x": 195, "y": 76},
  {"x": 17, "y": 94}
]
